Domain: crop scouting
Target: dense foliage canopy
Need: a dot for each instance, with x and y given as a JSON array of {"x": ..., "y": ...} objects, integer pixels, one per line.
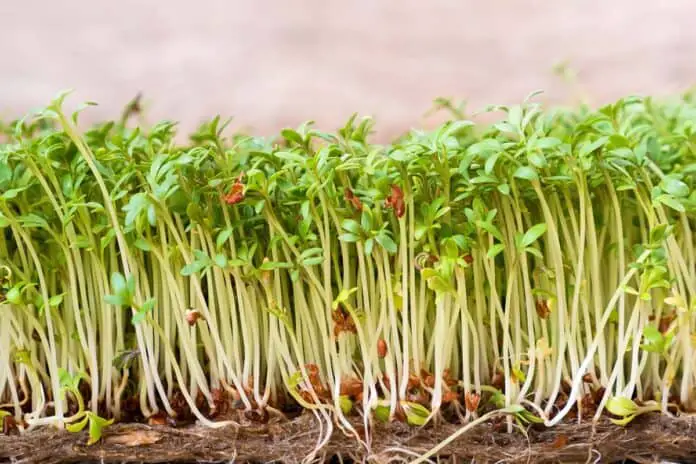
[{"x": 535, "y": 267}]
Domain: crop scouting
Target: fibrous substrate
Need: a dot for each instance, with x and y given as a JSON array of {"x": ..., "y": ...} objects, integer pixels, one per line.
[{"x": 538, "y": 268}]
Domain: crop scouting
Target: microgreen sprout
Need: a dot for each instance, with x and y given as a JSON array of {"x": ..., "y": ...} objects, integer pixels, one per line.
[{"x": 523, "y": 270}]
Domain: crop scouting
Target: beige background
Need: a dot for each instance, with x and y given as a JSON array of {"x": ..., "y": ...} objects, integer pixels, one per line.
[{"x": 272, "y": 63}]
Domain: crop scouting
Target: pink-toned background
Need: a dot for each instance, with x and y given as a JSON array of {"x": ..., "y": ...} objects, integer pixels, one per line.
[{"x": 272, "y": 63}]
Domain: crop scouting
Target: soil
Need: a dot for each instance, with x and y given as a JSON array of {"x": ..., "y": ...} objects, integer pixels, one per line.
[{"x": 646, "y": 439}]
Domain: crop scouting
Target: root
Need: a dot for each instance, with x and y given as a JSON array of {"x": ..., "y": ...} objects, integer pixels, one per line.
[{"x": 644, "y": 440}]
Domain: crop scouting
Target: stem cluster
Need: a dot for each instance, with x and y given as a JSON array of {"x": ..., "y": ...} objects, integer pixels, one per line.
[{"x": 542, "y": 266}]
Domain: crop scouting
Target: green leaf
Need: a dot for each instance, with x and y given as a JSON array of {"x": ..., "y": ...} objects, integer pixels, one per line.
[
  {"x": 674, "y": 187},
  {"x": 485, "y": 148},
  {"x": 519, "y": 374},
  {"x": 441, "y": 212},
  {"x": 313, "y": 261},
  {"x": 12, "y": 193},
  {"x": 65, "y": 379},
  {"x": 194, "y": 211},
  {"x": 294, "y": 380},
  {"x": 537, "y": 160},
  {"x": 505, "y": 127},
  {"x": 671, "y": 202},
  {"x": 220, "y": 260},
  {"x": 457, "y": 127},
  {"x": 23, "y": 357},
  {"x": 619, "y": 141},
  {"x": 5, "y": 173},
  {"x": 490, "y": 162},
  {"x": 630, "y": 290},
  {"x": 124, "y": 359},
  {"x": 439, "y": 284},
  {"x": 192, "y": 268},
  {"x": 381, "y": 413},
  {"x": 495, "y": 250},
  {"x": 484, "y": 179},
  {"x": 491, "y": 229},
  {"x": 655, "y": 342},
  {"x": 107, "y": 238},
  {"x": 624, "y": 421},
  {"x": 343, "y": 296},
  {"x": 533, "y": 94},
  {"x": 143, "y": 244},
  {"x": 348, "y": 238},
  {"x": 652, "y": 335},
  {"x": 387, "y": 243},
  {"x": 96, "y": 427},
  {"x": 588, "y": 147},
  {"x": 428, "y": 273},
  {"x": 14, "y": 295},
  {"x": 368, "y": 246},
  {"x": 345, "y": 404},
  {"x": 534, "y": 251},
  {"x": 136, "y": 205},
  {"x": 272, "y": 265},
  {"x": 138, "y": 317},
  {"x": 259, "y": 205},
  {"x": 33, "y": 220},
  {"x": 528, "y": 417},
  {"x": 547, "y": 142},
  {"x": 76, "y": 427},
  {"x": 415, "y": 418},
  {"x": 316, "y": 251},
  {"x": 55, "y": 300},
  {"x": 515, "y": 116},
  {"x": 223, "y": 237},
  {"x": 292, "y": 136},
  {"x": 525, "y": 172},
  {"x": 289, "y": 156},
  {"x": 504, "y": 189},
  {"x": 119, "y": 285},
  {"x": 152, "y": 215},
  {"x": 420, "y": 231},
  {"x": 130, "y": 286},
  {"x": 114, "y": 300},
  {"x": 351, "y": 226},
  {"x": 415, "y": 408},
  {"x": 621, "y": 406},
  {"x": 366, "y": 220},
  {"x": 533, "y": 234},
  {"x": 659, "y": 233},
  {"x": 513, "y": 408},
  {"x": 148, "y": 306}
]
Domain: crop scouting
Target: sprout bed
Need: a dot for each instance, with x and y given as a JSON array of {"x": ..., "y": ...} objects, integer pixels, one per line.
[{"x": 522, "y": 290}]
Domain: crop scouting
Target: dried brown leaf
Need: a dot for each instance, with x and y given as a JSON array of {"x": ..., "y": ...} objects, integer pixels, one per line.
[{"x": 134, "y": 438}]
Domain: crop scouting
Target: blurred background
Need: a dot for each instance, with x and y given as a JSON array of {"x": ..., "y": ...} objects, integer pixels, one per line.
[{"x": 276, "y": 63}]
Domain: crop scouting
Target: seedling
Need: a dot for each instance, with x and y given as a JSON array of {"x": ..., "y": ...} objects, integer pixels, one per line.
[{"x": 527, "y": 262}]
